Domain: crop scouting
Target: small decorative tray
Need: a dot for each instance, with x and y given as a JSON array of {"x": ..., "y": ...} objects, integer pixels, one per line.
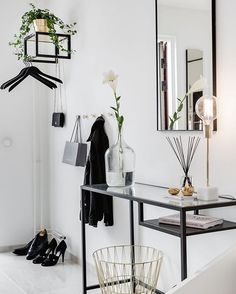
[{"x": 181, "y": 197}]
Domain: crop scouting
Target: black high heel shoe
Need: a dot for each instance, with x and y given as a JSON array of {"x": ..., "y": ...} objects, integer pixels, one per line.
[
  {"x": 23, "y": 250},
  {"x": 40, "y": 241},
  {"x": 50, "y": 248},
  {"x": 53, "y": 258},
  {"x": 28, "y": 247}
]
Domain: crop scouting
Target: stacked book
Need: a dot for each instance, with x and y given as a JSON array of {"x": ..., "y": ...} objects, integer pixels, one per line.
[{"x": 192, "y": 221}]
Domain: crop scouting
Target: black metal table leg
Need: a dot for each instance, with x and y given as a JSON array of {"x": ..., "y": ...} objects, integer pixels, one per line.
[
  {"x": 183, "y": 239},
  {"x": 83, "y": 238},
  {"x": 140, "y": 212},
  {"x": 131, "y": 216},
  {"x": 131, "y": 219},
  {"x": 196, "y": 211}
]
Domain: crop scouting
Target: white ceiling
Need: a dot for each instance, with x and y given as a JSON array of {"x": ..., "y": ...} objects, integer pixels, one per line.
[{"x": 191, "y": 4}]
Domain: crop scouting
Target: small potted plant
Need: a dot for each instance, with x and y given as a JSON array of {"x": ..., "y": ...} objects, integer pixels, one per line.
[{"x": 43, "y": 21}]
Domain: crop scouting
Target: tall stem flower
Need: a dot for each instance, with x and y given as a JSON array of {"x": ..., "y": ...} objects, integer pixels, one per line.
[{"x": 111, "y": 79}]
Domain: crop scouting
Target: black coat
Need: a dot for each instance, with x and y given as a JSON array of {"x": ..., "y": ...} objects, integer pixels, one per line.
[{"x": 97, "y": 207}]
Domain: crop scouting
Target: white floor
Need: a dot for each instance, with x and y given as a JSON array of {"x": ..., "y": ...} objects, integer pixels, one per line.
[{"x": 19, "y": 276}]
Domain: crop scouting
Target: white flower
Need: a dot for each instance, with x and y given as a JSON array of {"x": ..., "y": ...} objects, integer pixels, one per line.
[
  {"x": 111, "y": 79},
  {"x": 198, "y": 85}
]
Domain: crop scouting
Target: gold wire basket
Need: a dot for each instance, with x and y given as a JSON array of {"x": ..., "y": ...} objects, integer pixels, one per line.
[{"x": 128, "y": 269}]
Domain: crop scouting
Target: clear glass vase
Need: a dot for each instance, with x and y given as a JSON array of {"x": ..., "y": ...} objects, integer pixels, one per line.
[{"x": 120, "y": 164}]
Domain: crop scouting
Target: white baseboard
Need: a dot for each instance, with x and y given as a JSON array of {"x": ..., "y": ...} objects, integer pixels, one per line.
[
  {"x": 73, "y": 258},
  {"x": 10, "y": 248}
]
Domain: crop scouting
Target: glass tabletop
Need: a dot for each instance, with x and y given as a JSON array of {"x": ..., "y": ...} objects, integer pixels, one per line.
[{"x": 157, "y": 195}]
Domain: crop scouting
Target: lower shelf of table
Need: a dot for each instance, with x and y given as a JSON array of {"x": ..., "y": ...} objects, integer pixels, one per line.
[{"x": 175, "y": 230}]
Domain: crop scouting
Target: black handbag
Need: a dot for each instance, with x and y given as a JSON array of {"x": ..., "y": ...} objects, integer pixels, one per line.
[
  {"x": 75, "y": 152},
  {"x": 58, "y": 117}
]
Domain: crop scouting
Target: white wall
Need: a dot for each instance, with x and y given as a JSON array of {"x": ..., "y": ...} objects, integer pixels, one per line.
[
  {"x": 115, "y": 35},
  {"x": 19, "y": 164}
]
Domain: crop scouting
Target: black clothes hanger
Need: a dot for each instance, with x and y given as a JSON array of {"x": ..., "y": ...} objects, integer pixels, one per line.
[
  {"x": 8, "y": 83},
  {"x": 22, "y": 75},
  {"x": 38, "y": 71},
  {"x": 31, "y": 72},
  {"x": 35, "y": 73},
  {"x": 42, "y": 80}
]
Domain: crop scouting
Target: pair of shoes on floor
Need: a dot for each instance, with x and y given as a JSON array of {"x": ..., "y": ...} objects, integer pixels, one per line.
[
  {"x": 40, "y": 251},
  {"x": 51, "y": 253},
  {"x": 32, "y": 249}
]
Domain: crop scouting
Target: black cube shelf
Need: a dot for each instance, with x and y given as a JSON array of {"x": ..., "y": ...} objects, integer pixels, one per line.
[{"x": 38, "y": 38}]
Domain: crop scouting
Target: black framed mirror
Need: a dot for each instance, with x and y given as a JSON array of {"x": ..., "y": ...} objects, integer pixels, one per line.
[{"x": 185, "y": 52}]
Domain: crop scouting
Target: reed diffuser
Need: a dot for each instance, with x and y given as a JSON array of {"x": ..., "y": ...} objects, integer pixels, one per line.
[{"x": 184, "y": 156}]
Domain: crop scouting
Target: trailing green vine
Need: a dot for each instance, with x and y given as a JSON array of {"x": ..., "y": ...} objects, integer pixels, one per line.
[{"x": 52, "y": 22}]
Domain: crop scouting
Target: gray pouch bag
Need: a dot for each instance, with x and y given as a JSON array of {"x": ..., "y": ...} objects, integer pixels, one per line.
[{"x": 75, "y": 152}]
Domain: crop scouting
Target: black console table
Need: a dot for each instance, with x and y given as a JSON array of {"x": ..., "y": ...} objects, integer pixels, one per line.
[{"x": 155, "y": 196}]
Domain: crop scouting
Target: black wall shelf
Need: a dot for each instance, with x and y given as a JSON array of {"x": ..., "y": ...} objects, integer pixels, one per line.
[{"x": 38, "y": 38}]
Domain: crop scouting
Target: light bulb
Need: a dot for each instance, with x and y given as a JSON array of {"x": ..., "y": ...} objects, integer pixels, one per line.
[{"x": 206, "y": 109}]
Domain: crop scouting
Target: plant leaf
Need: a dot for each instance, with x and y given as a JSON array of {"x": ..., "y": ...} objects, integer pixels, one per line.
[
  {"x": 180, "y": 107},
  {"x": 113, "y": 108},
  {"x": 171, "y": 119},
  {"x": 175, "y": 115}
]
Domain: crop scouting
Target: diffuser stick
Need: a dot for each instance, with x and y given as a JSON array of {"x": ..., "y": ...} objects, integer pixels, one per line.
[{"x": 184, "y": 157}]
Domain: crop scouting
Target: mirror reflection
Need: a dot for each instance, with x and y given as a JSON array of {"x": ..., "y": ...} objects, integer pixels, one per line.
[
  {"x": 194, "y": 69},
  {"x": 184, "y": 55}
]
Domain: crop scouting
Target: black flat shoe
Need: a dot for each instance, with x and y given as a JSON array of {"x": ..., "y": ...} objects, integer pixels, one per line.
[
  {"x": 23, "y": 250},
  {"x": 50, "y": 248},
  {"x": 54, "y": 258},
  {"x": 39, "y": 243}
]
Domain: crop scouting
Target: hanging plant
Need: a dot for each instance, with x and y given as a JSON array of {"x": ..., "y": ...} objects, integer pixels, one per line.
[{"x": 52, "y": 21}]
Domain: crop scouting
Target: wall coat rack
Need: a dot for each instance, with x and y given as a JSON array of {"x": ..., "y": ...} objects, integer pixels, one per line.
[{"x": 95, "y": 115}]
